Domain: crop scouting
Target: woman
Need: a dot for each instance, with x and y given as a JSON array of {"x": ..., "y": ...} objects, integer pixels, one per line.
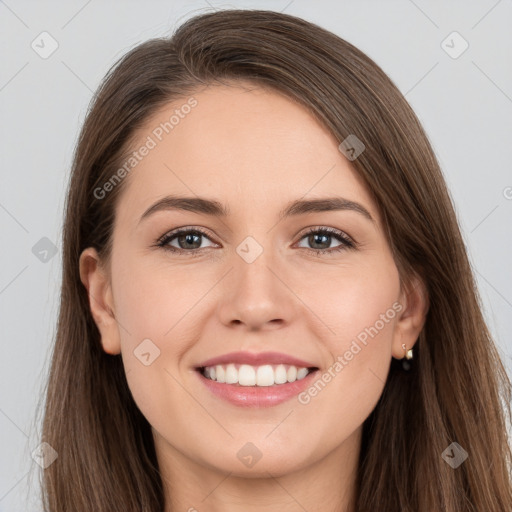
[{"x": 266, "y": 299}]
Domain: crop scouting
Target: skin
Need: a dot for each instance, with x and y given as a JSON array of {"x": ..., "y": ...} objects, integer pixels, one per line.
[{"x": 254, "y": 151}]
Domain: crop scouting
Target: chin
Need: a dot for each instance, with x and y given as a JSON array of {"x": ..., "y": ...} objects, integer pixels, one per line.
[{"x": 275, "y": 464}]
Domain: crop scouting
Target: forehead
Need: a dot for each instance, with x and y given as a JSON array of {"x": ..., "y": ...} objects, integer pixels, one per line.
[{"x": 238, "y": 143}]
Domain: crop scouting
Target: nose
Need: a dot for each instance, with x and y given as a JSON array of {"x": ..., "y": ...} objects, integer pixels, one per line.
[{"x": 256, "y": 296}]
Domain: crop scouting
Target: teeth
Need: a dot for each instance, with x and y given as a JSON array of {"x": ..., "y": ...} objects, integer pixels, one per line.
[
  {"x": 220, "y": 374},
  {"x": 247, "y": 375},
  {"x": 231, "y": 374}
]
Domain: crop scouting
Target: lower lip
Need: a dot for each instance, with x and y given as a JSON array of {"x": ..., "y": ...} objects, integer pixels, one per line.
[{"x": 257, "y": 396}]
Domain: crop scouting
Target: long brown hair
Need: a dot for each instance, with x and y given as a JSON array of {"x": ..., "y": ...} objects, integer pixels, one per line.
[{"x": 457, "y": 390}]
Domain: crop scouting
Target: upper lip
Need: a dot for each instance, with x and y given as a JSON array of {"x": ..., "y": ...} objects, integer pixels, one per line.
[{"x": 256, "y": 359}]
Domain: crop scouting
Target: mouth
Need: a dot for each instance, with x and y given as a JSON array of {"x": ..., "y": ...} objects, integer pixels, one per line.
[
  {"x": 245, "y": 375},
  {"x": 264, "y": 386}
]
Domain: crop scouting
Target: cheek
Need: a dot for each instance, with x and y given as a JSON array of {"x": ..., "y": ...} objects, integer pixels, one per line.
[
  {"x": 157, "y": 312},
  {"x": 344, "y": 394},
  {"x": 361, "y": 310},
  {"x": 155, "y": 302},
  {"x": 354, "y": 301},
  {"x": 153, "y": 344},
  {"x": 365, "y": 318}
]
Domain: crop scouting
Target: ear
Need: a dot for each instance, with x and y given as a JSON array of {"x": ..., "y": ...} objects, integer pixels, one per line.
[
  {"x": 97, "y": 282},
  {"x": 411, "y": 319}
]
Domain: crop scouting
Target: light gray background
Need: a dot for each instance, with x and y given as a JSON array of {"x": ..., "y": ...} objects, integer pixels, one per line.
[{"x": 464, "y": 103}]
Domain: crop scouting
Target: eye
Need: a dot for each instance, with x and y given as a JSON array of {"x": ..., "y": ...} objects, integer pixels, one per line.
[
  {"x": 323, "y": 236},
  {"x": 187, "y": 239}
]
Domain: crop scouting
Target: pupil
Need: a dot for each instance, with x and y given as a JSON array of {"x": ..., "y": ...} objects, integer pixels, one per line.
[
  {"x": 189, "y": 239},
  {"x": 315, "y": 236}
]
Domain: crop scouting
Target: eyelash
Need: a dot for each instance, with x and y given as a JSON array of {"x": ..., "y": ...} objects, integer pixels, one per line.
[{"x": 347, "y": 243}]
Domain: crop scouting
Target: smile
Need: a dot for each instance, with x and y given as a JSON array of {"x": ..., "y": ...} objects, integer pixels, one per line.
[
  {"x": 248, "y": 375},
  {"x": 242, "y": 388}
]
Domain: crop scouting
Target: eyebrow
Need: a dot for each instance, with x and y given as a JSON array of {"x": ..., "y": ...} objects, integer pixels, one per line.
[{"x": 294, "y": 208}]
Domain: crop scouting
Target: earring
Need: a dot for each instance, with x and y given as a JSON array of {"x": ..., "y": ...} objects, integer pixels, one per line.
[{"x": 406, "y": 365}]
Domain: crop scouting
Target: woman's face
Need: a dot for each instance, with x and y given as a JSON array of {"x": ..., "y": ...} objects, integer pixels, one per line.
[{"x": 255, "y": 282}]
